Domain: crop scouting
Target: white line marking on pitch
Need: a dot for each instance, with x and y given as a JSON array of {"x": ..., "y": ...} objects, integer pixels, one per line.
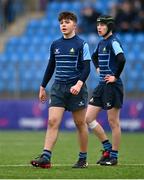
[{"x": 61, "y": 165}]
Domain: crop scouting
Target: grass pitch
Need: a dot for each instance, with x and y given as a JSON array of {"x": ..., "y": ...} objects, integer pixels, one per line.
[{"x": 18, "y": 148}]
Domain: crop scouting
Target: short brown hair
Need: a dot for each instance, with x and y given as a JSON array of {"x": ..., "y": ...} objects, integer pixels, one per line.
[{"x": 67, "y": 15}]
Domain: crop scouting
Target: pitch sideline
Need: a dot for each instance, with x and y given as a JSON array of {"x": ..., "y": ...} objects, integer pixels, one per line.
[{"x": 61, "y": 165}]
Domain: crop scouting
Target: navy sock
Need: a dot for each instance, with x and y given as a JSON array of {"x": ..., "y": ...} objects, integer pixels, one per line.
[
  {"x": 114, "y": 154},
  {"x": 83, "y": 155},
  {"x": 107, "y": 145},
  {"x": 47, "y": 154}
]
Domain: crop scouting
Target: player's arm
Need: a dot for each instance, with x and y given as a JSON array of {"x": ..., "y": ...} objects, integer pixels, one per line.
[
  {"x": 48, "y": 73},
  {"x": 85, "y": 71},
  {"x": 47, "y": 76},
  {"x": 86, "y": 63},
  {"x": 120, "y": 60},
  {"x": 119, "y": 57},
  {"x": 50, "y": 69},
  {"x": 95, "y": 60}
]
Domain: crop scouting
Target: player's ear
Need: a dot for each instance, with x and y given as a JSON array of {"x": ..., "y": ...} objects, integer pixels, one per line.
[{"x": 75, "y": 25}]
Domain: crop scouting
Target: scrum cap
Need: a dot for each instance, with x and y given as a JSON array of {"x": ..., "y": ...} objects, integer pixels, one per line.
[{"x": 108, "y": 20}]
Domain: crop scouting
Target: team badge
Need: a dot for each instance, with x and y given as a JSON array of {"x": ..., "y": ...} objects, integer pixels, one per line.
[
  {"x": 72, "y": 51},
  {"x": 104, "y": 50}
]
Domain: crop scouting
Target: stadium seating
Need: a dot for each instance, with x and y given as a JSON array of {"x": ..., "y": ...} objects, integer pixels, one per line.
[{"x": 24, "y": 59}]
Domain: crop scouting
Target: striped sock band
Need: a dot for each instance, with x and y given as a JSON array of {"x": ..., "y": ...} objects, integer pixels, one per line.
[
  {"x": 47, "y": 154},
  {"x": 114, "y": 154},
  {"x": 82, "y": 155},
  {"x": 107, "y": 145}
]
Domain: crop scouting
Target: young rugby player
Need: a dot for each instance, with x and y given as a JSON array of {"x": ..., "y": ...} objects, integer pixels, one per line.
[
  {"x": 109, "y": 61},
  {"x": 70, "y": 58}
]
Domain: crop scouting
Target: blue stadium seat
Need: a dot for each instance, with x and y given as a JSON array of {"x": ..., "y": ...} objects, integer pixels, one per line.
[
  {"x": 1, "y": 86},
  {"x": 134, "y": 75},
  {"x": 13, "y": 41},
  {"x": 66, "y": 6},
  {"x": 44, "y": 23},
  {"x": 101, "y": 7},
  {"x": 76, "y": 6},
  {"x": 139, "y": 38},
  {"x": 130, "y": 56},
  {"x": 34, "y": 23},
  {"x": 12, "y": 86},
  {"x": 54, "y": 6},
  {"x": 141, "y": 56},
  {"x": 35, "y": 85},
  {"x": 129, "y": 86},
  {"x": 128, "y": 38},
  {"x": 12, "y": 57},
  {"x": 3, "y": 57},
  {"x": 140, "y": 86},
  {"x": 24, "y": 40}
]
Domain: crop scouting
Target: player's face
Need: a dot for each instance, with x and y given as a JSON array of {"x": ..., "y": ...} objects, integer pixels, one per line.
[
  {"x": 67, "y": 26},
  {"x": 102, "y": 29}
]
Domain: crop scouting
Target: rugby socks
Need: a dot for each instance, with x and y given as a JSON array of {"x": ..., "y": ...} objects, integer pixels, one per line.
[
  {"x": 107, "y": 145},
  {"x": 114, "y": 154},
  {"x": 83, "y": 155},
  {"x": 47, "y": 154}
]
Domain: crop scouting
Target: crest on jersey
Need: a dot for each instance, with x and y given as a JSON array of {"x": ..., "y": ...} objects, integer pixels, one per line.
[
  {"x": 72, "y": 51},
  {"x": 104, "y": 50},
  {"x": 57, "y": 51}
]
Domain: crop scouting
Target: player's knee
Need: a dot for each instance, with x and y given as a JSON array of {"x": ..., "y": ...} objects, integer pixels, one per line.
[
  {"x": 53, "y": 123},
  {"x": 114, "y": 123},
  {"x": 80, "y": 123},
  {"x": 92, "y": 124}
]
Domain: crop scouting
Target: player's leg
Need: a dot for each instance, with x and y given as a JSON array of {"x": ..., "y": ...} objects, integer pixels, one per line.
[
  {"x": 91, "y": 116},
  {"x": 55, "y": 116},
  {"x": 114, "y": 122},
  {"x": 79, "y": 119},
  {"x": 114, "y": 94}
]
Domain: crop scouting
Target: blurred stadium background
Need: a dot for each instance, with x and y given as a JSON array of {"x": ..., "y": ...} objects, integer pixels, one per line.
[{"x": 27, "y": 28}]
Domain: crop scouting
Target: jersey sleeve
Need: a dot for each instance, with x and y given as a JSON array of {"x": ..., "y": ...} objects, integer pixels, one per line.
[
  {"x": 50, "y": 69},
  {"x": 95, "y": 58},
  {"x": 117, "y": 47},
  {"x": 86, "y": 52},
  {"x": 52, "y": 56}
]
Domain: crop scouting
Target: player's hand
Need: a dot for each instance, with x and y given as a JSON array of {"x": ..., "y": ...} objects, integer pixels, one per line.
[
  {"x": 76, "y": 88},
  {"x": 109, "y": 79},
  {"x": 98, "y": 70},
  {"x": 42, "y": 94}
]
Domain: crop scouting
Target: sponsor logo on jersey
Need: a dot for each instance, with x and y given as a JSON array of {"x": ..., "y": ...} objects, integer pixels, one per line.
[
  {"x": 57, "y": 51},
  {"x": 81, "y": 103},
  {"x": 49, "y": 100},
  {"x": 91, "y": 100},
  {"x": 108, "y": 104}
]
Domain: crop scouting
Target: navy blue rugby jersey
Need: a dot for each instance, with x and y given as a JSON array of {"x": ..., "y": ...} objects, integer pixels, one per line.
[
  {"x": 68, "y": 55},
  {"x": 106, "y": 52}
]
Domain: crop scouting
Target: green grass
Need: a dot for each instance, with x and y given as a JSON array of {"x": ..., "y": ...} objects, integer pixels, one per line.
[{"x": 18, "y": 148}]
